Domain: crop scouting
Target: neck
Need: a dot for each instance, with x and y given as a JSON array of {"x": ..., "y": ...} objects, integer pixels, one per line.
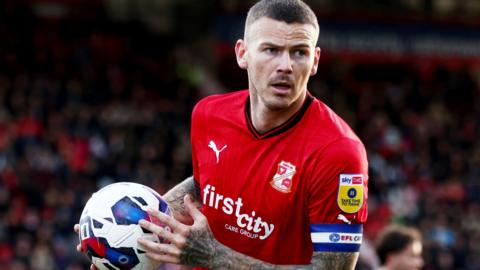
[{"x": 265, "y": 119}]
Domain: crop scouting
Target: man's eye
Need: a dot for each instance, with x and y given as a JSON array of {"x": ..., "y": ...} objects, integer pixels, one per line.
[
  {"x": 271, "y": 50},
  {"x": 300, "y": 53}
]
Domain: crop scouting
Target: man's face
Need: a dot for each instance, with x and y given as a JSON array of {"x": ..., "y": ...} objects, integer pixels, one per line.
[
  {"x": 408, "y": 259},
  {"x": 279, "y": 58}
]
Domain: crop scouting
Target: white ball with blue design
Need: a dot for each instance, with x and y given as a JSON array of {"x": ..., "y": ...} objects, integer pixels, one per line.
[{"x": 109, "y": 225}]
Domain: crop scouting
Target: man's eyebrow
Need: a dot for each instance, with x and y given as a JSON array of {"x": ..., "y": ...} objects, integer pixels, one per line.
[
  {"x": 269, "y": 44},
  {"x": 301, "y": 45},
  {"x": 272, "y": 44}
]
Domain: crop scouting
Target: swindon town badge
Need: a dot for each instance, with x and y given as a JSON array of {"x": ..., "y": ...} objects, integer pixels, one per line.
[
  {"x": 350, "y": 193},
  {"x": 282, "y": 180}
]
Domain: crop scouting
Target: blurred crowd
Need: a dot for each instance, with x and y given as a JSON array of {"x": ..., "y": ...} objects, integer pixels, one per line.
[
  {"x": 421, "y": 130},
  {"x": 85, "y": 102},
  {"x": 82, "y": 104}
]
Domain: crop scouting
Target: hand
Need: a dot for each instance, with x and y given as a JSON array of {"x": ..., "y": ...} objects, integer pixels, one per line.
[
  {"x": 76, "y": 228},
  {"x": 192, "y": 245}
]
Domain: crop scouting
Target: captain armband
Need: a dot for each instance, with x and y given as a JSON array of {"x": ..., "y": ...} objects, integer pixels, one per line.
[{"x": 336, "y": 237}]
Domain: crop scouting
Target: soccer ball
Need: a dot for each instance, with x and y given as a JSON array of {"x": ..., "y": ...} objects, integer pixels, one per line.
[{"x": 109, "y": 225}]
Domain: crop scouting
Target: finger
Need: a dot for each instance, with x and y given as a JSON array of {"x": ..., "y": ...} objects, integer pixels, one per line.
[
  {"x": 163, "y": 258},
  {"x": 158, "y": 252},
  {"x": 79, "y": 248},
  {"x": 92, "y": 267},
  {"x": 159, "y": 248},
  {"x": 168, "y": 221},
  {"x": 163, "y": 233},
  {"x": 76, "y": 228},
  {"x": 192, "y": 208}
]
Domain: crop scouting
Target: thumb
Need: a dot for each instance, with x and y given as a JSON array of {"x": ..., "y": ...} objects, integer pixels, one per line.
[{"x": 192, "y": 207}]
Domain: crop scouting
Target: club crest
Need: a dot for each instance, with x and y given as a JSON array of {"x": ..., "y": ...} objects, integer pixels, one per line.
[
  {"x": 350, "y": 193},
  {"x": 283, "y": 179}
]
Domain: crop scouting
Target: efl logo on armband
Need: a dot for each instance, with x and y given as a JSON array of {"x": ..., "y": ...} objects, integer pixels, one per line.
[{"x": 336, "y": 237}]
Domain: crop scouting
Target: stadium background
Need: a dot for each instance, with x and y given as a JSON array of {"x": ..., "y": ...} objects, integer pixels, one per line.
[{"x": 96, "y": 91}]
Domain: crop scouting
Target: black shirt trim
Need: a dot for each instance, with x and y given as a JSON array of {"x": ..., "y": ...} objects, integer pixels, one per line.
[{"x": 294, "y": 119}]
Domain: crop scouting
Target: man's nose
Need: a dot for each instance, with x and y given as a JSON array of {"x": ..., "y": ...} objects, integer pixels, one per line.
[{"x": 285, "y": 63}]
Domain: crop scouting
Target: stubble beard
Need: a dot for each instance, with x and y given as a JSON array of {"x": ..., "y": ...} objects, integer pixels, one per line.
[
  {"x": 270, "y": 101},
  {"x": 274, "y": 103}
]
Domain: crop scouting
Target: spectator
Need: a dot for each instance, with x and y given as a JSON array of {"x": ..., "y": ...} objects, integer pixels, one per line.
[{"x": 400, "y": 248}]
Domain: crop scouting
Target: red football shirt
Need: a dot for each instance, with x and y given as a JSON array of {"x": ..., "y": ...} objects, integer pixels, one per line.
[{"x": 280, "y": 195}]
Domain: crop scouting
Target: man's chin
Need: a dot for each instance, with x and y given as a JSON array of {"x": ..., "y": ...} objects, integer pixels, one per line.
[{"x": 278, "y": 103}]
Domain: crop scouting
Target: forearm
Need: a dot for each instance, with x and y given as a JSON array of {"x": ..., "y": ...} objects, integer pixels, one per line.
[
  {"x": 224, "y": 257},
  {"x": 334, "y": 260},
  {"x": 227, "y": 258},
  {"x": 174, "y": 197}
]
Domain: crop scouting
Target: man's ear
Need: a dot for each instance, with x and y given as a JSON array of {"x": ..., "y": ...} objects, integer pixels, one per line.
[
  {"x": 316, "y": 59},
  {"x": 241, "y": 53}
]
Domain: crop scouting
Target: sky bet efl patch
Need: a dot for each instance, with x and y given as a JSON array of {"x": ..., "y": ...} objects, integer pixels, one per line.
[{"x": 350, "y": 193}]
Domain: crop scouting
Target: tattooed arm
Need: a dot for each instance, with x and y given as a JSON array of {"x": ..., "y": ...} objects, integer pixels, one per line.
[
  {"x": 174, "y": 197},
  {"x": 334, "y": 260},
  {"x": 196, "y": 245},
  {"x": 226, "y": 258}
]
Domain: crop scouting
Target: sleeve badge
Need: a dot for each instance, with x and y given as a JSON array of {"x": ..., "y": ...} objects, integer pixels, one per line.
[{"x": 350, "y": 197}]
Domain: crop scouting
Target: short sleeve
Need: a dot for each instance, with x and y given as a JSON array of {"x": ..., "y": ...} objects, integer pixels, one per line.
[
  {"x": 338, "y": 196},
  {"x": 195, "y": 133}
]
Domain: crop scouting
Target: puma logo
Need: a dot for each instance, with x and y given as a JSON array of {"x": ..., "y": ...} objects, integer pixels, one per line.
[
  {"x": 344, "y": 219},
  {"x": 212, "y": 145}
]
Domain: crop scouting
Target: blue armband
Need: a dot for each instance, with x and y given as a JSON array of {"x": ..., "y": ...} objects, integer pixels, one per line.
[{"x": 336, "y": 237}]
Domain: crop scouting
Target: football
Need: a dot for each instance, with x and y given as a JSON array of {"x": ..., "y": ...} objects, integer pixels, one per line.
[{"x": 109, "y": 225}]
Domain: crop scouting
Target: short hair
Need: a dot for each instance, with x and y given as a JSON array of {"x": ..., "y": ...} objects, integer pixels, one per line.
[
  {"x": 289, "y": 11},
  {"x": 394, "y": 239}
]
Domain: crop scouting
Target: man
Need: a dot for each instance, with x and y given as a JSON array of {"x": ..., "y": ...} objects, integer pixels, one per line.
[
  {"x": 400, "y": 248},
  {"x": 280, "y": 181}
]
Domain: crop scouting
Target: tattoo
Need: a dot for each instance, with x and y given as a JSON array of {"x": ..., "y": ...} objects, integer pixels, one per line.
[
  {"x": 175, "y": 198},
  {"x": 200, "y": 248},
  {"x": 334, "y": 260},
  {"x": 226, "y": 258},
  {"x": 203, "y": 250}
]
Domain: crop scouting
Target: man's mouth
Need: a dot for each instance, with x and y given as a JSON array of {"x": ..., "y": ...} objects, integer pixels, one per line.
[{"x": 281, "y": 86}]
